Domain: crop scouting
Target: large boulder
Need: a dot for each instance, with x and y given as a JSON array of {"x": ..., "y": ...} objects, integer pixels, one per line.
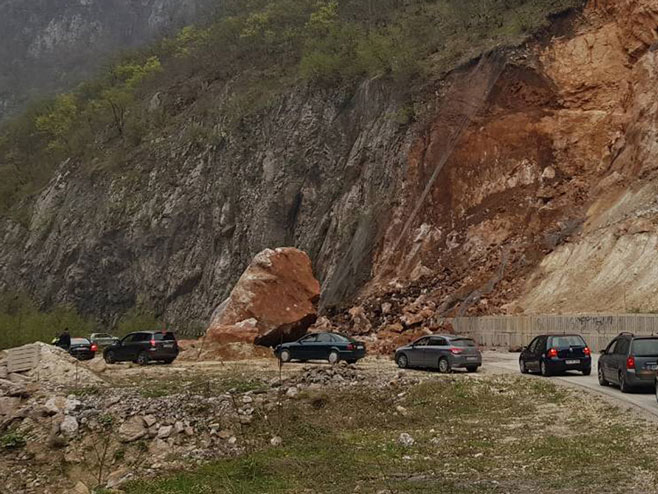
[{"x": 274, "y": 301}]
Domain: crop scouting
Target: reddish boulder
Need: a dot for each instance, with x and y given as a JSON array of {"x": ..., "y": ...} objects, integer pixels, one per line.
[{"x": 274, "y": 301}]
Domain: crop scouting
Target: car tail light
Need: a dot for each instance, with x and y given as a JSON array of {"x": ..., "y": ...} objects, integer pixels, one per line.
[
  {"x": 587, "y": 351},
  {"x": 153, "y": 342},
  {"x": 630, "y": 362},
  {"x": 94, "y": 347},
  {"x": 350, "y": 346},
  {"x": 551, "y": 353},
  {"x": 456, "y": 351}
]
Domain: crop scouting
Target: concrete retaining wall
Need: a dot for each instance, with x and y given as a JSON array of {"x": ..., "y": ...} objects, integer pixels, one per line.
[{"x": 517, "y": 331}]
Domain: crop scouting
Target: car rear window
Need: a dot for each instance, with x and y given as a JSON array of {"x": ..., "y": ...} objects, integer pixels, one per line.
[
  {"x": 164, "y": 336},
  {"x": 79, "y": 341},
  {"x": 463, "y": 342},
  {"x": 566, "y": 341},
  {"x": 645, "y": 347},
  {"x": 340, "y": 337}
]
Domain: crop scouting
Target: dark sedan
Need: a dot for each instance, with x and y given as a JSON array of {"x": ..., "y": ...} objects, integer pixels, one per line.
[
  {"x": 442, "y": 352},
  {"x": 551, "y": 354},
  {"x": 82, "y": 349},
  {"x": 322, "y": 346}
]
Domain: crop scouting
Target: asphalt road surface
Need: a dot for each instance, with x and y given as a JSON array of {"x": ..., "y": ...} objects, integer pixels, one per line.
[{"x": 643, "y": 399}]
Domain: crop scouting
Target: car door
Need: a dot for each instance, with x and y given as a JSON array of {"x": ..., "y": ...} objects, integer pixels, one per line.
[
  {"x": 305, "y": 347},
  {"x": 436, "y": 348},
  {"x": 417, "y": 353},
  {"x": 323, "y": 346},
  {"x": 529, "y": 355},
  {"x": 618, "y": 358},
  {"x": 135, "y": 346},
  {"x": 606, "y": 360}
]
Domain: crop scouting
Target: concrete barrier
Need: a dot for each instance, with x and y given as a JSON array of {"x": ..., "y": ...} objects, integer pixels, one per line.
[{"x": 516, "y": 331}]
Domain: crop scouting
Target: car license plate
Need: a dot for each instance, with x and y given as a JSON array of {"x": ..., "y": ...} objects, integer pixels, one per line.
[
  {"x": 471, "y": 358},
  {"x": 651, "y": 366},
  {"x": 168, "y": 345},
  {"x": 572, "y": 362}
]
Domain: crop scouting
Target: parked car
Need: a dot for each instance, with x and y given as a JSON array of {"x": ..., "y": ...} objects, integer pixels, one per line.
[
  {"x": 322, "y": 346},
  {"x": 82, "y": 349},
  {"x": 143, "y": 347},
  {"x": 556, "y": 353},
  {"x": 103, "y": 339},
  {"x": 442, "y": 352},
  {"x": 629, "y": 361}
]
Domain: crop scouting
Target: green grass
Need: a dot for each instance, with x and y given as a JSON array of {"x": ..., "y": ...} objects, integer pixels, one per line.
[
  {"x": 484, "y": 435},
  {"x": 22, "y": 322}
]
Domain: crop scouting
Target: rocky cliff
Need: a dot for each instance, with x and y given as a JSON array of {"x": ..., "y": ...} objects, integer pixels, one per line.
[
  {"x": 51, "y": 45},
  {"x": 528, "y": 185}
]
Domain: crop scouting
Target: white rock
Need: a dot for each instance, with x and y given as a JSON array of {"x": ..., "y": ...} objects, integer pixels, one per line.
[
  {"x": 292, "y": 392},
  {"x": 149, "y": 420},
  {"x": 179, "y": 426},
  {"x": 406, "y": 440},
  {"x": 69, "y": 426},
  {"x": 401, "y": 410},
  {"x": 276, "y": 441},
  {"x": 165, "y": 431},
  {"x": 132, "y": 429}
]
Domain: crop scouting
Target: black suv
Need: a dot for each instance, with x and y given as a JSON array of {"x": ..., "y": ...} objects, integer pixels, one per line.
[
  {"x": 555, "y": 353},
  {"x": 629, "y": 361},
  {"x": 143, "y": 347}
]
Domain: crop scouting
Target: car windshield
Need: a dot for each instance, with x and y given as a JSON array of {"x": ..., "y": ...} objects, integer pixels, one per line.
[
  {"x": 463, "y": 342},
  {"x": 79, "y": 341},
  {"x": 164, "y": 336},
  {"x": 645, "y": 347},
  {"x": 566, "y": 341}
]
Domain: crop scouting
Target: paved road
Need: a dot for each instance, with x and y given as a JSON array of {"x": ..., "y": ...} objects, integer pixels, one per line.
[{"x": 644, "y": 400}]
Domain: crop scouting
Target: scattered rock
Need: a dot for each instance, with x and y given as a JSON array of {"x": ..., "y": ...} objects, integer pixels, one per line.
[
  {"x": 132, "y": 429},
  {"x": 165, "y": 431},
  {"x": 406, "y": 440},
  {"x": 69, "y": 426},
  {"x": 276, "y": 441}
]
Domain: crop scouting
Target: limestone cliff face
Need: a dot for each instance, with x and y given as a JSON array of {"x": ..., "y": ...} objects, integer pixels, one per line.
[
  {"x": 175, "y": 228},
  {"x": 543, "y": 201},
  {"x": 50, "y": 45}
]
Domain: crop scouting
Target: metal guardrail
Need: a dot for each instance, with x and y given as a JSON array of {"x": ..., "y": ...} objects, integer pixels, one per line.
[{"x": 517, "y": 331}]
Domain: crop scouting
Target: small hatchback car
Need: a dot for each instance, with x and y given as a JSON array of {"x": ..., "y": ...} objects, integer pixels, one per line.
[
  {"x": 555, "y": 353},
  {"x": 442, "y": 352},
  {"x": 629, "y": 361}
]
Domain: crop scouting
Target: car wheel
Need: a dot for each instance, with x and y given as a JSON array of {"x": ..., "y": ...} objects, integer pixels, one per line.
[
  {"x": 334, "y": 357},
  {"x": 444, "y": 365},
  {"x": 522, "y": 367},
  {"x": 623, "y": 385},
  {"x": 284, "y": 356},
  {"x": 143, "y": 358},
  {"x": 602, "y": 379},
  {"x": 110, "y": 358},
  {"x": 587, "y": 372},
  {"x": 544, "y": 370},
  {"x": 472, "y": 368},
  {"x": 402, "y": 361}
]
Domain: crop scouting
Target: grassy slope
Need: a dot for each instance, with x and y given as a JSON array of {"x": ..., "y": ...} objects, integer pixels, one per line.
[
  {"x": 253, "y": 52},
  {"x": 472, "y": 435}
]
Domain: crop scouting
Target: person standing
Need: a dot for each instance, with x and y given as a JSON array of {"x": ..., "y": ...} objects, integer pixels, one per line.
[{"x": 64, "y": 339}]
